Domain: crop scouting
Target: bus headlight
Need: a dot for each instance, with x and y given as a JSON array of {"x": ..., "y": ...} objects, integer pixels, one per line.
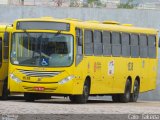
[
  {"x": 66, "y": 79},
  {"x": 13, "y": 77}
]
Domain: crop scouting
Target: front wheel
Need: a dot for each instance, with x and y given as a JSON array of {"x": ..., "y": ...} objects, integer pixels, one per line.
[
  {"x": 84, "y": 97},
  {"x": 135, "y": 94}
]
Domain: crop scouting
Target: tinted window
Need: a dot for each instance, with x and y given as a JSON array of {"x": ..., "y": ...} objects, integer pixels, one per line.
[
  {"x": 88, "y": 42},
  {"x": 106, "y": 43},
  {"x": 79, "y": 38},
  {"x": 134, "y": 45},
  {"x": 116, "y": 44},
  {"x": 143, "y": 40},
  {"x": 151, "y": 46},
  {"x": 151, "y": 40},
  {"x": 79, "y": 41},
  {"x": 97, "y": 43},
  {"x": 116, "y": 38},
  {"x": 143, "y": 46},
  {"x": 125, "y": 44},
  {"x": 97, "y": 36}
]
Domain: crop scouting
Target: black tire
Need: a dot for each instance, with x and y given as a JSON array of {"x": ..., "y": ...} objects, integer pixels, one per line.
[
  {"x": 124, "y": 98},
  {"x": 29, "y": 97},
  {"x": 5, "y": 91},
  {"x": 84, "y": 97},
  {"x": 116, "y": 98},
  {"x": 72, "y": 98},
  {"x": 135, "y": 94}
]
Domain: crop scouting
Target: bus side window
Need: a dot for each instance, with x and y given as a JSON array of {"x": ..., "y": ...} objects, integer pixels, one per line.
[
  {"x": 88, "y": 42},
  {"x": 152, "y": 46},
  {"x": 143, "y": 46},
  {"x": 134, "y": 45},
  {"x": 125, "y": 39},
  {"x": 116, "y": 44},
  {"x": 79, "y": 39},
  {"x": 106, "y": 43},
  {"x": 97, "y": 43},
  {"x": 79, "y": 45},
  {"x": 0, "y": 51}
]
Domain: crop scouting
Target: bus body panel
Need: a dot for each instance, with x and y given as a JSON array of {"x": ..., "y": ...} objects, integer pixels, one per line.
[{"x": 108, "y": 74}]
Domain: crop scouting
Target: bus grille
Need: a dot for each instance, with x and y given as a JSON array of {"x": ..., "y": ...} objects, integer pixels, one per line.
[{"x": 39, "y": 73}]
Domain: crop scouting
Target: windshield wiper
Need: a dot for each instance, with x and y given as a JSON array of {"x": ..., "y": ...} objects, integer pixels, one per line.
[
  {"x": 25, "y": 31},
  {"x": 59, "y": 32}
]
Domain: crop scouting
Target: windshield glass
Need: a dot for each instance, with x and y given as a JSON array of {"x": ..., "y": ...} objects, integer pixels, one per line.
[{"x": 42, "y": 49}]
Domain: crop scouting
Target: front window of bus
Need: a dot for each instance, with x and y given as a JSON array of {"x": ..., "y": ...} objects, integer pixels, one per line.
[{"x": 42, "y": 49}]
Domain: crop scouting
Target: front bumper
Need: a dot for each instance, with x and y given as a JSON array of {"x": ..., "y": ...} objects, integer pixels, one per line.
[{"x": 71, "y": 87}]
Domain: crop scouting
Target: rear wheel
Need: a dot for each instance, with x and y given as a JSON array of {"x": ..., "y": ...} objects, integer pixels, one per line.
[
  {"x": 135, "y": 94},
  {"x": 84, "y": 97},
  {"x": 29, "y": 97},
  {"x": 126, "y": 96}
]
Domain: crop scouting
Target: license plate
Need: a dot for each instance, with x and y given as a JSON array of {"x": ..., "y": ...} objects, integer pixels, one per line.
[{"x": 39, "y": 88}]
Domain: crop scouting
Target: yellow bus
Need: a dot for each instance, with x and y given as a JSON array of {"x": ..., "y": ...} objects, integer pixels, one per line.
[
  {"x": 5, "y": 32},
  {"x": 68, "y": 57}
]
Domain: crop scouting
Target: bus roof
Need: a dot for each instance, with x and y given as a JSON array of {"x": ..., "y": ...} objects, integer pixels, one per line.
[{"x": 96, "y": 25}]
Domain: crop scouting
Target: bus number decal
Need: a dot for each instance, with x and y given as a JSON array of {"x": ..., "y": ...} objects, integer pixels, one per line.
[
  {"x": 97, "y": 66},
  {"x": 130, "y": 66},
  {"x": 26, "y": 78},
  {"x": 111, "y": 68}
]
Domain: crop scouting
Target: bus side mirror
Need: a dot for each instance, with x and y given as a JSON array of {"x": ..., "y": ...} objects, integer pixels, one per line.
[{"x": 6, "y": 38}]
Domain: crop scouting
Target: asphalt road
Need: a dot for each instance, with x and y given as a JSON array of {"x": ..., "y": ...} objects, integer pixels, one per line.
[
  {"x": 59, "y": 108},
  {"x": 16, "y": 105}
]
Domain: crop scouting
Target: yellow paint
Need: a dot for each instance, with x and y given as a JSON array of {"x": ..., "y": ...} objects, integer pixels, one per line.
[{"x": 102, "y": 82}]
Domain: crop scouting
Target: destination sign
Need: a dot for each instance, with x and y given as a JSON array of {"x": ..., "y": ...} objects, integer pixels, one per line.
[{"x": 41, "y": 25}]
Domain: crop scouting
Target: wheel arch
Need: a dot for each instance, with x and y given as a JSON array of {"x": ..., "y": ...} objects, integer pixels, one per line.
[
  {"x": 88, "y": 79},
  {"x": 131, "y": 82},
  {"x": 138, "y": 79},
  {"x": 130, "y": 79},
  {"x": 139, "y": 82}
]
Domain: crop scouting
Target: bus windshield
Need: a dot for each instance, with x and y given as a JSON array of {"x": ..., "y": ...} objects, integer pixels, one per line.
[{"x": 42, "y": 49}]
